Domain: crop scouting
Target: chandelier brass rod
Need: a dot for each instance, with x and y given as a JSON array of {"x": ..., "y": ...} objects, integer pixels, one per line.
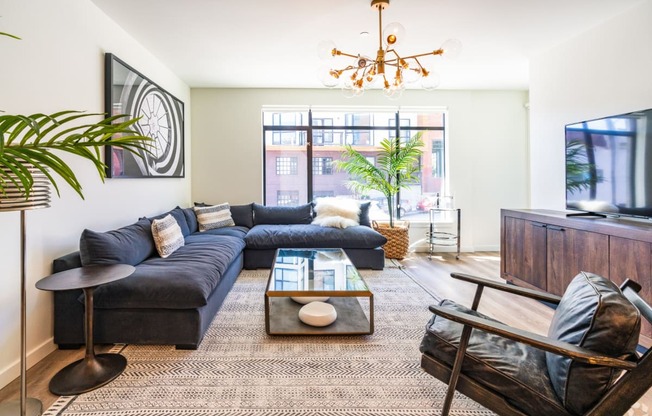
[
  {"x": 380, "y": 26},
  {"x": 339, "y": 52}
]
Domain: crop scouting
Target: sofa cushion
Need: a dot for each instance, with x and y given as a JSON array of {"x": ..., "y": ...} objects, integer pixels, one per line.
[
  {"x": 214, "y": 216},
  {"x": 593, "y": 314},
  {"x": 127, "y": 245},
  {"x": 364, "y": 214},
  {"x": 243, "y": 215},
  {"x": 191, "y": 219},
  {"x": 312, "y": 236},
  {"x": 182, "y": 281},
  {"x": 301, "y": 214},
  {"x": 179, "y": 216},
  {"x": 516, "y": 370},
  {"x": 167, "y": 235},
  {"x": 233, "y": 231}
]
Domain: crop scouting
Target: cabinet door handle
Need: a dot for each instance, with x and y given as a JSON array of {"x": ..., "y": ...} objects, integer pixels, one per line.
[
  {"x": 538, "y": 224},
  {"x": 555, "y": 228}
]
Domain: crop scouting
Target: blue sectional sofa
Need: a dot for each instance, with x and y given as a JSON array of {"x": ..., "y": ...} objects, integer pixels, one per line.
[{"x": 173, "y": 300}]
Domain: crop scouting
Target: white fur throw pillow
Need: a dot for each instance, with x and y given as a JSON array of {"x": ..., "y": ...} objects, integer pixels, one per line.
[{"x": 337, "y": 212}]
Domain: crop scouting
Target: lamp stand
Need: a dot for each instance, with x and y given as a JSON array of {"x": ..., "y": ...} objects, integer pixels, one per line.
[{"x": 26, "y": 406}]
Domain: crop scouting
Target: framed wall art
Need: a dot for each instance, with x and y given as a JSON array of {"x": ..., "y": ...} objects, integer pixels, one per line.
[{"x": 127, "y": 91}]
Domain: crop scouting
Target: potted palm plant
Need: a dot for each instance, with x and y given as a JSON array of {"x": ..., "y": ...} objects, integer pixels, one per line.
[{"x": 396, "y": 167}]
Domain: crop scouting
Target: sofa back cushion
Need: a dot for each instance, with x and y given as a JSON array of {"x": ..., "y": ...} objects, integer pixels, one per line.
[
  {"x": 364, "y": 214},
  {"x": 127, "y": 245},
  {"x": 191, "y": 219},
  {"x": 593, "y": 314},
  {"x": 180, "y": 218},
  {"x": 301, "y": 214},
  {"x": 243, "y": 215}
]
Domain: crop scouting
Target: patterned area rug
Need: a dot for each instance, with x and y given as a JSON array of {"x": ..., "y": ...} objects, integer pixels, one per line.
[{"x": 240, "y": 370}]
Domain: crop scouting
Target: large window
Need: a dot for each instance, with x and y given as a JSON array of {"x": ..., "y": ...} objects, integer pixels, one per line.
[{"x": 301, "y": 146}]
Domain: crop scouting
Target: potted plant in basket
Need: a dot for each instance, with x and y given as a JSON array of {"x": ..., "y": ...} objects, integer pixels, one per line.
[{"x": 397, "y": 165}]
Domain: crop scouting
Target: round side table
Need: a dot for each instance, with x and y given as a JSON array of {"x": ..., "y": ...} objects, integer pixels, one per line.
[{"x": 92, "y": 371}]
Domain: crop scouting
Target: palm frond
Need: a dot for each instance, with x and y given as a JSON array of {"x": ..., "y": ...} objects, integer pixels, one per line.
[
  {"x": 34, "y": 141},
  {"x": 9, "y": 35},
  {"x": 397, "y": 165}
]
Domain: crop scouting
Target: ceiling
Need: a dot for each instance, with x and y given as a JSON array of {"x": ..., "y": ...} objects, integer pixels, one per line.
[{"x": 255, "y": 43}]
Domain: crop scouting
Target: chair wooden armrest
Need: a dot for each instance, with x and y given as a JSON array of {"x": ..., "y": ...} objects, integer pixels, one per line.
[
  {"x": 538, "y": 341},
  {"x": 521, "y": 291}
]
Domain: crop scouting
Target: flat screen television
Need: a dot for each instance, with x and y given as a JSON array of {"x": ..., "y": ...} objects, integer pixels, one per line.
[{"x": 609, "y": 165}]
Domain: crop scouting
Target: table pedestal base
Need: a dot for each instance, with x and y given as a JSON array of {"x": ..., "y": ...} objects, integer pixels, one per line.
[
  {"x": 12, "y": 408},
  {"x": 87, "y": 374}
]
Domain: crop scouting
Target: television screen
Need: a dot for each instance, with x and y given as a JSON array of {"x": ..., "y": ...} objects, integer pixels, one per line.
[{"x": 609, "y": 165}]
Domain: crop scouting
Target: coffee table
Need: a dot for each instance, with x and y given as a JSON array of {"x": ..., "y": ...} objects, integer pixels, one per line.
[{"x": 316, "y": 272}]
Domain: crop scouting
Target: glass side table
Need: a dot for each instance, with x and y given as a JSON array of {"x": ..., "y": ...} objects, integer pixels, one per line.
[
  {"x": 92, "y": 371},
  {"x": 444, "y": 238}
]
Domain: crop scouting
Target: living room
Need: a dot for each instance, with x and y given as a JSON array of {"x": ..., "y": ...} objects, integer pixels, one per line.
[{"x": 506, "y": 144}]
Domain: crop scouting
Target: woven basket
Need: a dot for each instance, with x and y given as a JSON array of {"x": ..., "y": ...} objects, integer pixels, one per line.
[{"x": 398, "y": 238}]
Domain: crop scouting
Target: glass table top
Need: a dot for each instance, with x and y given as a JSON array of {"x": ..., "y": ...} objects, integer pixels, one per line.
[{"x": 314, "y": 270}]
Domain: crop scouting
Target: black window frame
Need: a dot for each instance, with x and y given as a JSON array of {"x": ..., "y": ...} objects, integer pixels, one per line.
[{"x": 349, "y": 128}]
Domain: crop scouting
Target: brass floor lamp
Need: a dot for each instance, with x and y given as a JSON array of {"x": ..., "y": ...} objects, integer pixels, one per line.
[{"x": 14, "y": 200}]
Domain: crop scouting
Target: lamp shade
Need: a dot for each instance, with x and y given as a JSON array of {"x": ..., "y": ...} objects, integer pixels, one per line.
[{"x": 14, "y": 197}]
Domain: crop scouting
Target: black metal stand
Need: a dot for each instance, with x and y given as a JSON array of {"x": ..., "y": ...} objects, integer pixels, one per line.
[{"x": 26, "y": 406}]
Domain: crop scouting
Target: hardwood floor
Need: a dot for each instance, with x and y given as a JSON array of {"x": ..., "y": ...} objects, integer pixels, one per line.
[{"x": 433, "y": 275}]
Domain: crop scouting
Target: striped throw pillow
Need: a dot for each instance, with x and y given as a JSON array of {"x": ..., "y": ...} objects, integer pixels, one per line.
[
  {"x": 167, "y": 235},
  {"x": 214, "y": 216}
]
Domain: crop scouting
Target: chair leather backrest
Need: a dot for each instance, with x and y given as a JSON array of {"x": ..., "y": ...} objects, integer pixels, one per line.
[{"x": 594, "y": 314}]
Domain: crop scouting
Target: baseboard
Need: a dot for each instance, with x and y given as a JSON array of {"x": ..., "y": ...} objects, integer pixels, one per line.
[
  {"x": 12, "y": 372},
  {"x": 487, "y": 248}
]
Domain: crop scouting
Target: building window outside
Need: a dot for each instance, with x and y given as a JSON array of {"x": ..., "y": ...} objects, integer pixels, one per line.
[
  {"x": 286, "y": 166},
  {"x": 322, "y": 165},
  {"x": 287, "y": 198},
  {"x": 323, "y": 194},
  {"x": 322, "y": 137}
]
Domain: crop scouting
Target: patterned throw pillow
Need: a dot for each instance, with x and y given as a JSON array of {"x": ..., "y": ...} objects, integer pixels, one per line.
[
  {"x": 167, "y": 235},
  {"x": 214, "y": 216}
]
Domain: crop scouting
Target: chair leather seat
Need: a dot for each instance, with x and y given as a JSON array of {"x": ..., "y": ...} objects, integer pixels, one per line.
[{"x": 514, "y": 370}]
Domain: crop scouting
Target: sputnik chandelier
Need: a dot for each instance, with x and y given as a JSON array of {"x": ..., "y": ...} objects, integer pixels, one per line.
[{"x": 389, "y": 68}]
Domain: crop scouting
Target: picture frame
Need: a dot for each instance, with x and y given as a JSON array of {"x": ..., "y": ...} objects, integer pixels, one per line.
[{"x": 162, "y": 118}]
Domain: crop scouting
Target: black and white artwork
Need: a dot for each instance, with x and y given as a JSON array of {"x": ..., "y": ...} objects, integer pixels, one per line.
[{"x": 161, "y": 118}]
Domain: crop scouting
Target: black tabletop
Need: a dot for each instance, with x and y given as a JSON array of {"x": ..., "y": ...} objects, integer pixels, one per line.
[{"x": 85, "y": 277}]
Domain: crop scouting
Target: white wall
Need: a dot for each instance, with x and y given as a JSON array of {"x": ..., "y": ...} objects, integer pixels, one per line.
[
  {"x": 488, "y": 148},
  {"x": 59, "y": 65},
  {"x": 605, "y": 71}
]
